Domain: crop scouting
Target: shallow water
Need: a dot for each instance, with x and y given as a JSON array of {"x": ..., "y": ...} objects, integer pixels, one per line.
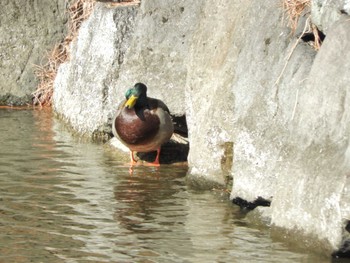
[{"x": 65, "y": 200}]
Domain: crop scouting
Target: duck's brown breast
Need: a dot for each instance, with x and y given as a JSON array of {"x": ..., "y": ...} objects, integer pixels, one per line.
[{"x": 136, "y": 128}]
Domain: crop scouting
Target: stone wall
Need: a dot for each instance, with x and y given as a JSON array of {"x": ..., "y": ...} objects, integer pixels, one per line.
[
  {"x": 260, "y": 108},
  {"x": 313, "y": 186},
  {"x": 82, "y": 88},
  {"x": 28, "y": 30},
  {"x": 112, "y": 54}
]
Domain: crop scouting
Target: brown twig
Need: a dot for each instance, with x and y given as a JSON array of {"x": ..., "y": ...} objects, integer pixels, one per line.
[
  {"x": 317, "y": 43},
  {"x": 291, "y": 51}
]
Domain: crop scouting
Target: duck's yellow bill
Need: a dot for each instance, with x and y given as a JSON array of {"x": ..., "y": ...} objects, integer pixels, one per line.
[{"x": 130, "y": 103}]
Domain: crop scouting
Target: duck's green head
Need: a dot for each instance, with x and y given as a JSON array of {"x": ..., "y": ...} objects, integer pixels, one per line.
[{"x": 136, "y": 94}]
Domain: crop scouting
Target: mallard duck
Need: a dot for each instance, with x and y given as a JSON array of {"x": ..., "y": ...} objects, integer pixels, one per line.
[{"x": 143, "y": 124}]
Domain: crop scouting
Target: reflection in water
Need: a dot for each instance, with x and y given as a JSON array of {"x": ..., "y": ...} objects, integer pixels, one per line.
[{"x": 64, "y": 200}]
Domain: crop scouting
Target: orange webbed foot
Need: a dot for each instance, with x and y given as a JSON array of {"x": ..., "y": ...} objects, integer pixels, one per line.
[{"x": 156, "y": 161}]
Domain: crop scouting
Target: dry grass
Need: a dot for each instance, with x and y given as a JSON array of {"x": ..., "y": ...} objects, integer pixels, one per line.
[
  {"x": 294, "y": 9},
  {"x": 46, "y": 74},
  {"x": 317, "y": 43},
  {"x": 78, "y": 11}
]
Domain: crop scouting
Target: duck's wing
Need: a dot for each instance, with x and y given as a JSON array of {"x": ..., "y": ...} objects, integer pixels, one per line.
[{"x": 155, "y": 103}]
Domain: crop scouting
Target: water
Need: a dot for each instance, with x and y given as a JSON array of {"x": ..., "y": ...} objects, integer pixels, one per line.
[{"x": 66, "y": 200}]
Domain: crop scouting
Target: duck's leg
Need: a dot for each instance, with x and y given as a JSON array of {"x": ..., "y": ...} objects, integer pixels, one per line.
[
  {"x": 133, "y": 161},
  {"x": 156, "y": 161}
]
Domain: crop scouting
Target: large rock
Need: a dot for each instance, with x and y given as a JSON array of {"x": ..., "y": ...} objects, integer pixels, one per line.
[
  {"x": 265, "y": 91},
  {"x": 209, "y": 97},
  {"x": 117, "y": 47},
  {"x": 313, "y": 195},
  {"x": 235, "y": 108},
  {"x": 82, "y": 85},
  {"x": 157, "y": 52},
  {"x": 28, "y": 30},
  {"x": 324, "y": 13},
  {"x": 288, "y": 126}
]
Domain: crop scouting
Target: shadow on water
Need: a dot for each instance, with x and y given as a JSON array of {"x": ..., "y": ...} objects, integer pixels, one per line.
[{"x": 67, "y": 200}]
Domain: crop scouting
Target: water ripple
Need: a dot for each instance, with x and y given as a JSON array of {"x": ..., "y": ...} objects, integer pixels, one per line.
[{"x": 65, "y": 200}]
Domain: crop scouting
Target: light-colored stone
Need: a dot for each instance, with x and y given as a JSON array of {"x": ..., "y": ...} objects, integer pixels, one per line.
[
  {"x": 114, "y": 142},
  {"x": 82, "y": 85},
  {"x": 325, "y": 13},
  {"x": 111, "y": 55},
  {"x": 209, "y": 98},
  {"x": 157, "y": 52},
  {"x": 314, "y": 196},
  {"x": 264, "y": 98}
]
